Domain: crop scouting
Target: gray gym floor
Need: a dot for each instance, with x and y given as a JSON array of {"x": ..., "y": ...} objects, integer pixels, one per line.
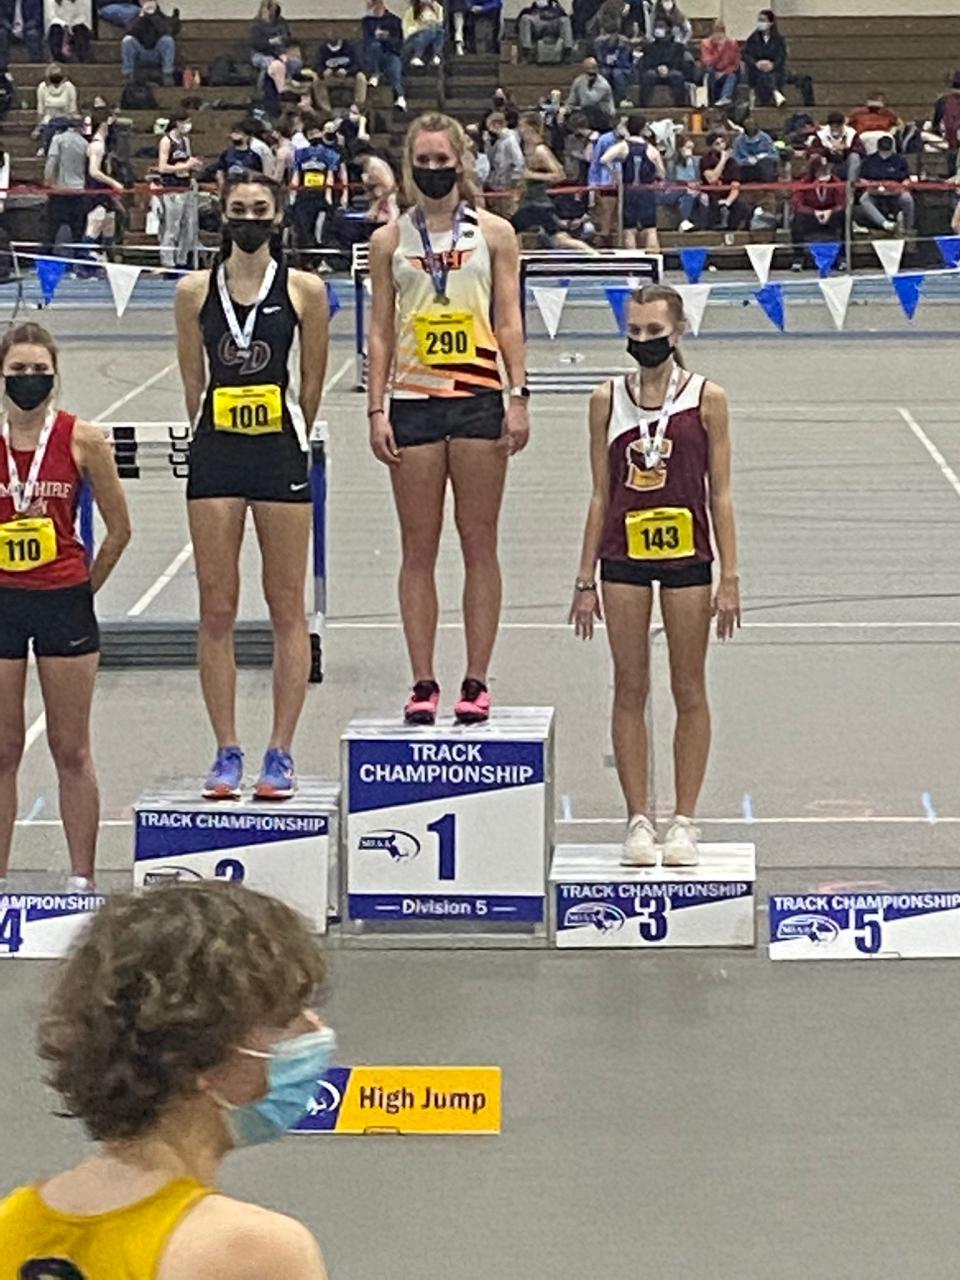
[{"x": 691, "y": 1116}]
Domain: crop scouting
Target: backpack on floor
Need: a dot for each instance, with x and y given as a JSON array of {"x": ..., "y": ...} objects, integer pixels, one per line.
[
  {"x": 138, "y": 97},
  {"x": 225, "y": 70}
]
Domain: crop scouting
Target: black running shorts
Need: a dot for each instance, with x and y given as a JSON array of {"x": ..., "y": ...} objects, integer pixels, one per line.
[
  {"x": 264, "y": 469},
  {"x": 536, "y": 217},
  {"x": 60, "y": 623},
  {"x": 433, "y": 419},
  {"x": 639, "y": 574}
]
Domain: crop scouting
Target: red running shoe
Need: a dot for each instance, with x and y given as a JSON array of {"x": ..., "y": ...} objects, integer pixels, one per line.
[
  {"x": 422, "y": 704},
  {"x": 474, "y": 704}
]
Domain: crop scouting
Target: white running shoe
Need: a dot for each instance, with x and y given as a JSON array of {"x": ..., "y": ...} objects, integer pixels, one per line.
[
  {"x": 416, "y": 62},
  {"x": 686, "y": 225},
  {"x": 79, "y": 884},
  {"x": 680, "y": 844},
  {"x": 459, "y": 48},
  {"x": 373, "y": 81},
  {"x": 401, "y": 103},
  {"x": 640, "y": 846},
  {"x": 778, "y": 98},
  {"x": 435, "y": 61}
]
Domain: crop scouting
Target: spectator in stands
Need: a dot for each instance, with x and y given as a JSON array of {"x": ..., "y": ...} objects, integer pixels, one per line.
[
  {"x": 614, "y": 55},
  {"x": 336, "y": 61},
  {"x": 56, "y": 104},
  {"x": 176, "y": 165},
  {"x": 468, "y": 14},
  {"x": 679, "y": 26},
  {"x": 119, "y": 13},
  {"x": 604, "y": 180},
  {"x": 283, "y": 79},
  {"x": 150, "y": 42},
  {"x": 637, "y": 17},
  {"x": 873, "y": 119},
  {"x": 281, "y": 144},
  {"x": 687, "y": 201},
  {"x": 260, "y": 144},
  {"x": 65, "y": 171},
  {"x": 239, "y": 156},
  {"x": 841, "y": 145},
  {"x": 382, "y": 46},
  {"x": 543, "y": 19},
  {"x": 507, "y": 165},
  {"x": 320, "y": 179},
  {"x": 755, "y": 153},
  {"x": 665, "y": 62},
  {"x": 68, "y": 30},
  {"x": 642, "y": 169},
  {"x": 724, "y": 208},
  {"x": 352, "y": 128},
  {"x": 481, "y": 161},
  {"x": 946, "y": 122},
  {"x": 423, "y": 33},
  {"x": 269, "y": 35},
  {"x": 891, "y": 204},
  {"x": 591, "y": 94},
  {"x": 765, "y": 55},
  {"x": 379, "y": 184},
  {"x": 31, "y": 19},
  {"x": 818, "y": 207},
  {"x": 722, "y": 64}
]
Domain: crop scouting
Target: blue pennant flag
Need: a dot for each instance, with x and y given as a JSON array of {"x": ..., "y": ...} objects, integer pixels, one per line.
[
  {"x": 907, "y": 288},
  {"x": 618, "y": 297},
  {"x": 949, "y": 247},
  {"x": 824, "y": 253},
  {"x": 770, "y": 298},
  {"x": 50, "y": 272},
  {"x": 693, "y": 261},
  {"x": 333, "y": 300}
]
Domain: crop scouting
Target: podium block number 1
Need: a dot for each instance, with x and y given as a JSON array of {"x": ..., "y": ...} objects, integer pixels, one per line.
[{"x": 445, "y": 829}]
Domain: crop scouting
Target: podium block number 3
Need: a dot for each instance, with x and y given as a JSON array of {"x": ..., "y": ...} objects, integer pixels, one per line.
[{"x": 445, "y": 829}]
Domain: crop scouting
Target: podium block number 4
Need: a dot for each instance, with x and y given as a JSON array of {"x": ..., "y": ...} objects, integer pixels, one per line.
[
  {"x": 445, "y": 829},
  {"x": 11, "y": 937}
]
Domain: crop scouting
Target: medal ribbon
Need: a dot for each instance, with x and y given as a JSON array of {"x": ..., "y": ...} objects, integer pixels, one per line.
[
  {"x": 653, "y": 445},
  {"x": 243, "y": 337},
  {"x": 439, "y": 270},
  {"x": 22, "y": 494}
]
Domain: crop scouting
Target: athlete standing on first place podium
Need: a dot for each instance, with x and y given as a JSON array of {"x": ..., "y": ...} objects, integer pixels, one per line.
[
  {"x": 236, "y": 328},
  {"x": 446, "y": 308},
  {"x": 660, "y": 458}
]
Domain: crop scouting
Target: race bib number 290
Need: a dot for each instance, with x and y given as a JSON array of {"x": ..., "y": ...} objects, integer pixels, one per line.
[{"x": 445, "y": 337}]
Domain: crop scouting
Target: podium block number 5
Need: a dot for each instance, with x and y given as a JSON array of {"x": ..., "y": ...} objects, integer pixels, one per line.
[{"x": 445, "y": 829}]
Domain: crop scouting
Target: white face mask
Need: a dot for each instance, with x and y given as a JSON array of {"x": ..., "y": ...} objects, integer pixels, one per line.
[{"x": 184, "y": 126}]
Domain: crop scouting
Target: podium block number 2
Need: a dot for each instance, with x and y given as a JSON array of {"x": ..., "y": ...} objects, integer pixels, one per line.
[{"x": 445, "y": 829}]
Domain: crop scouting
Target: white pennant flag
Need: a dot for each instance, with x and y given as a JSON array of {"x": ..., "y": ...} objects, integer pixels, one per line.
[
  {"x": 890, "y": 253},
  {"x": 836, "y": 294},
  {"x": 694, "y": 303},
  {"x": 761, "y": 255},
  {"x": 550, "y": 299},
  {"x": 123, "y": 280}
]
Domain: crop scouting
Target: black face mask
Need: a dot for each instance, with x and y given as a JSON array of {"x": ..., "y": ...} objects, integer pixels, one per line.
[
  {"x": 28, "y": 390},
  {"x": 55, "y": 80},
  {"x": 237, "y": 144},
  {"x": 434, "y": 183},
  {"x": 651, "y": 353},
  {"x": 248, "y": 234}
]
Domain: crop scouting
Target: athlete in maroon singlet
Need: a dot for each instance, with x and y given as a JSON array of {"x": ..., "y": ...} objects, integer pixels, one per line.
[
  {"x": 47, "y": 587},
  {"x": 660, "y": 457}
]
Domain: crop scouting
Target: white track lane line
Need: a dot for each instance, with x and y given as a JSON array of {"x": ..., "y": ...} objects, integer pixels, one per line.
[{"x": 946, "y": 470}]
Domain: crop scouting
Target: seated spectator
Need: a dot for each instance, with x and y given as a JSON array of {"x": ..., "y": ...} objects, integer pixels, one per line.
[
  {"x": 818, "y": 207},
  {"x": 119, "y": 13},
  {"x": 946, "y": 121},
  {"x": 665, "y": 62},
  {"x": 423, "y": 33},
  {"x": 591, "y": 94},
  {"x": 724, "y": 208},
  {"x": 637, "y": 18},
  {"x": 841, "y": 145},
  {"x": 150, "y": 42},
  {"x": 543, "y": 20},
  {"x": 537, "y": 211},
  {"x": 507, "y": 165},
  {"x": 239, "y": 156},
  {"x": 891, "y": 203},
  {"x": 352, "y": 129},
  {"x": 468, "y": 15},
  {"x": 755, "y": 153},
  {"x": 68, "y": 30},
  {"x": 722, "y": 64},
  {"x": 336, "y": 62},
  {"x": 269, "y": 35},
  {"x": 765, "y": 56},
  {"x": 31, "y": 28},
  {"x": 56, "y": 103},
  {"x": 641, "y": 168},
  {"x": 284, "y": 80},
  {"x": 614, "y": 55},
  {"x": 687, "y": 201},
  {"x": 382, "y": 46},
  {"x": 873, "y": 119},
  {"x": 668, "y": 12}
]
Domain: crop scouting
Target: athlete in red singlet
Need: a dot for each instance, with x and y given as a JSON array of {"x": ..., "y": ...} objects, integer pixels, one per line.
[
  {"x": 47, "y": 587},
  {"x": 660, "y": 457}
]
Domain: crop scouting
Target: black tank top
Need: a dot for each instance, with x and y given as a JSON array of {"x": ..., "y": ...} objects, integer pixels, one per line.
[
  {"x": 264, "y": 364},
  {"x": 179, "y": 154}
]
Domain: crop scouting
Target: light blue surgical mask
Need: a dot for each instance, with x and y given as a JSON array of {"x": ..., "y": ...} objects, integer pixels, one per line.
[{"x": 295, "y": 1069}]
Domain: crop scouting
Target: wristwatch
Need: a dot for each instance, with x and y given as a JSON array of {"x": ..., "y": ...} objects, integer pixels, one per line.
[
  {"x": 520, "y": 393},
  {"x": 582, "y": 584}
]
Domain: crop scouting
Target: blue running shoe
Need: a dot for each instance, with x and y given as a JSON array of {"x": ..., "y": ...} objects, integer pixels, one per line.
[
  {"x": 224, "y": 779},
  {"x": 277, "y": 779}
]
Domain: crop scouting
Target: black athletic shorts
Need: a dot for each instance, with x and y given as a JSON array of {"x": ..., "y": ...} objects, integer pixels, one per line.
[
  {"x": 639, "y": 209},
  {"x": 264, "y": 469},
  {"x": 60, "y": 623},
  {"x": 533, "y": 217},
  {"x": 427, "y": 421},
  {"x": 638, "y": 573}
]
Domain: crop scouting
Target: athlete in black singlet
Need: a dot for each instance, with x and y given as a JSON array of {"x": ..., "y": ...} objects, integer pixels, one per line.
[{"x": 236, "y": 327}]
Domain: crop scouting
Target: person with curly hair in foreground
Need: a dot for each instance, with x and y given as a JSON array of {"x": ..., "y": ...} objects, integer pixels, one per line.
[{"x": 180, "y": 1027}]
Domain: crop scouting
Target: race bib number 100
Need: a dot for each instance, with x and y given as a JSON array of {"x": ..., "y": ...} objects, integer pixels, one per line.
[
  {"x": 248, "y": 411},
  {"x": 445, "y": 337},
  {"x": 664, "y": 533},
  {"x": 27, "y": 544}
]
